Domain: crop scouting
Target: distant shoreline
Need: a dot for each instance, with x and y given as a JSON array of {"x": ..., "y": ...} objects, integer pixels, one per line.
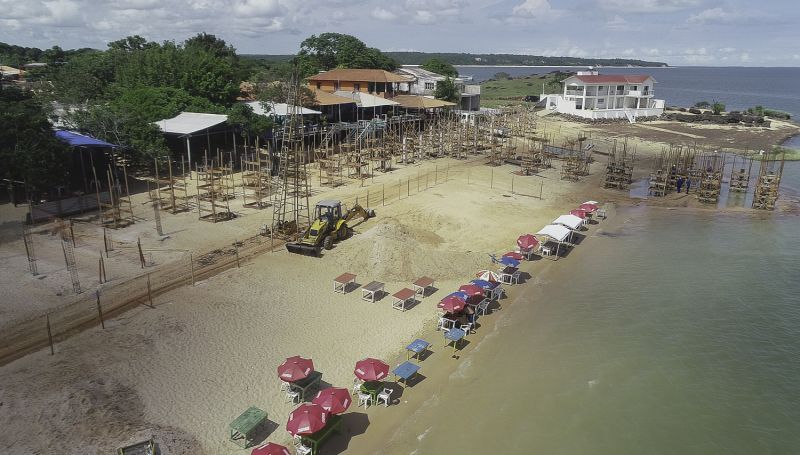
[{"x": 547, "y": 66}]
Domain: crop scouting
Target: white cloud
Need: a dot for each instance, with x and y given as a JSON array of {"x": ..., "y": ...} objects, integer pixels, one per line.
[
  {"x": 383, "y": 14},
  {"x": 619, "y": 24},
  {"x": 536, "y": 9},
  {"x": 713, "y": 15},
  {"x": 647, "y": 6},
  {"x": 260, "y": 8}
]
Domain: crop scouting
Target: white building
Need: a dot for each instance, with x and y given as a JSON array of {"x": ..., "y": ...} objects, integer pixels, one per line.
[
  {"x": 424, "y": 84},
  {"x": 608, "y": 96}
]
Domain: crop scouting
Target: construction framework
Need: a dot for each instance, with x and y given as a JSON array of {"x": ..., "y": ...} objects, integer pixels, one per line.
[
  {"x": 740, "y": 174},
  {"x": 117, "y": 211},
  {"x": 619, "y": 170},
  {"x": 769, "y": 182},
  {"x": 712, "y": 166},
  {"x": 215, "y": 185}
]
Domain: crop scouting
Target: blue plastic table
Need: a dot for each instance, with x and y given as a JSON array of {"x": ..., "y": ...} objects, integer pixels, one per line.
[
  {"x": 454, "y": 335},
  {"x": 405, "y": 371},
  {"x": 418, "y": 346}
]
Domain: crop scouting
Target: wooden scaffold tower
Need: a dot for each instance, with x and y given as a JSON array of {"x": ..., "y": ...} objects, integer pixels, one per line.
[
  {"x": 256, "y": 177},
  {"x": 117, "y": 210},
  {"x": 769, "y": 182},
  {"x": 291, "y": 217},
  {"x": 214, "y": 184},
  {"x": 740, "y": 174},
  {"x": 711, "y": 165},
  {"x": 169, "y": 189},
  {"x": 619, "y": 170}
]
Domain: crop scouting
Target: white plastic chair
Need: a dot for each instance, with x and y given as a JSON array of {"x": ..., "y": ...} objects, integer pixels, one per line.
[
  {"x": 445, "y": 324},
  {"x": 482, "y": 307},
  {"x": 356, "y": 386},
  {"x": 299, "y": 448},
  {"x": 364, "y": 399},
  {"x": 292, "y": 396},
  {"x": 285, "y": 386},
  {"x": 466, "y": 328},
  {"x": 385, "y": 396}
]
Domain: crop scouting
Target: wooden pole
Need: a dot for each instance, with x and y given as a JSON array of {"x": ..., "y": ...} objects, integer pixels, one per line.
[
  {"x": 72, "y": 233},
  {"x": 105, "y": 241},
  {"x": 191, "y": 266},
  {"x": 408, "y": 187},
  {"x": 141, "y": 255},
  {"x": 149, "y": 292},
  {"x": 383, "y": 194},
  {"x": 100, "y": 310},
  {"x": 447, "y": 172},
  {"x": 541, "y": 186},
  {"x": 50, "y": 335}
]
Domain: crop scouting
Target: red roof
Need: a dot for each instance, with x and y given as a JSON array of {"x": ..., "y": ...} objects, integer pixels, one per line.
[{"x": 613, "y": 78}]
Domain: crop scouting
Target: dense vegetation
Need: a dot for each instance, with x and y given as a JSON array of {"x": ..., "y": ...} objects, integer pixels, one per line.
[
  {"x": 418, "y": 58},
  {"x": 335, "y": 50},
  {"x": 439, "y": 67},
  {"x": 28, "y": 149}
]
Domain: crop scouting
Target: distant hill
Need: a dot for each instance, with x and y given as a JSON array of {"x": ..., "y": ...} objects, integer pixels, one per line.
[{"x": 418, "y": 58}]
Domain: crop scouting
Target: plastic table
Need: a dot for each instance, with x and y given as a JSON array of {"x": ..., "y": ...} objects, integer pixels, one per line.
[
  {"x": 454, "y": 336},
  {"x": 405, "y": 371},
  {"x": 417, "y": 346}
]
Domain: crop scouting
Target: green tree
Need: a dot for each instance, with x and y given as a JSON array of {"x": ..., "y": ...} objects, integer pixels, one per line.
[
  {"x": 717, "y": 107},
  {"x": 85, "y": 77},
  {"x": 447, "y": 90},
  {"x": 248, "y": 122},
  {"x": 28, "y": 149},
  {"x": 336, "y": 50},
  {"x": 702, "y": 105},
  {"x": 438, "y": 66}
]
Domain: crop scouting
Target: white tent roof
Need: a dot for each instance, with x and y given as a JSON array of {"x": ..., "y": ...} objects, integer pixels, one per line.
[
  {"x": 570, "y": 221},
  {"x": 592, "y": 202},
  {"x": 279, "y": 109},
  {"x": 556, "y": 232},
  {"x": 190, "y": 122},
  {"x": 365, "y": 99}
]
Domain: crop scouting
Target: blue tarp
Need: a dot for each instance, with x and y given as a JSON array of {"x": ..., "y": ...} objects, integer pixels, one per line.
[{"x": 79, "y": 140}]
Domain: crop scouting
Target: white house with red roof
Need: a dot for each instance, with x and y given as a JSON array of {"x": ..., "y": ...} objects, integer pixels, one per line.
[{"x": 607, "y": 96}]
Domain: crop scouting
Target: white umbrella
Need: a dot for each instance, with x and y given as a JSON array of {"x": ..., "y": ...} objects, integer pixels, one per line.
[{"x": 488, "y": 275}]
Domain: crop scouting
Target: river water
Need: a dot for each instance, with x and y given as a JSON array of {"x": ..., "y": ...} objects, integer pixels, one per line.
[{"x": 672, "y": 332}]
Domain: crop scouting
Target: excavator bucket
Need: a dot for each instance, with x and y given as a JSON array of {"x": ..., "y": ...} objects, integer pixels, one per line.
[{"x": 302, "y": 248}]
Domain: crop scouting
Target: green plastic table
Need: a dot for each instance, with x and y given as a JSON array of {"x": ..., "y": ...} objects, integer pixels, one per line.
[
  {"x": 307, "y": 384},
  {"x": 373, "y": 388},
  {"x": 316, "y": 439},
  {"x": 244, "y": 427}
]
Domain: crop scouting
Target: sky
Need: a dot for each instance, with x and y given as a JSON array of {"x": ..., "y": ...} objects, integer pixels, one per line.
[{"x": 678, "y": 32}]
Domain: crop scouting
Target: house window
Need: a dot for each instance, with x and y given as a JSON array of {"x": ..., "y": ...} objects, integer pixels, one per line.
[
  {"x": 430, "y": 85},
  {"x": 635, "y": 87},
  {"x": 319, "y": 85},
  {"x": 371, "y": 87},
  {"x": 620, "y": 88},
  {"x": 356, "y": 87},
  {"x": 336, "y": 85}
]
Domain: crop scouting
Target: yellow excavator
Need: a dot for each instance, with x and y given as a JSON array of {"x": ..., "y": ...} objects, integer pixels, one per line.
[{"x": 329, "y": 225}]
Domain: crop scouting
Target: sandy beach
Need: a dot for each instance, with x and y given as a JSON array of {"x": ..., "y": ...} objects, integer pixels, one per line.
[{"x": 183, "y": 370}]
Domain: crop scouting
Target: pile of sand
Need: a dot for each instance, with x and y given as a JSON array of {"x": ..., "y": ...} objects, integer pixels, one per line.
[{"x": 395, "y": 251}]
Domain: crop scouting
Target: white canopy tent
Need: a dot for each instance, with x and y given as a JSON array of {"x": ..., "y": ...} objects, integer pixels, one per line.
[
  {"x": 571, "y": 221},
  {"x": 188, "y": 124},
  {"x": 556, "y": 233},
  {"x": 279, "y": 109}
]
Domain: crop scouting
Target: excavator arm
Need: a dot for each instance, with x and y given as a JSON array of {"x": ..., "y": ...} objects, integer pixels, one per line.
[{"x": 357, "y": 210}]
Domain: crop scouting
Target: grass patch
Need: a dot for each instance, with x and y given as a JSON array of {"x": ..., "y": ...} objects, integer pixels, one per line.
[
  {"x": 790, "y": 154},
  {"x": 512, "y": 91}
]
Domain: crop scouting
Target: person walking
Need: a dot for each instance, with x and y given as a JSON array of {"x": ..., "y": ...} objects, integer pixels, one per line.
[{"x": 680, "y": 183}]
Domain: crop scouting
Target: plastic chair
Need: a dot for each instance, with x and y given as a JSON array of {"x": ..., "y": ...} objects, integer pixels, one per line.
[
  {"x": 445, "y": 324},
  {"x": 292, "y": 396},
  {"x": 364, "y": 399},
  {"x": 386, "y": 396},
  {"x": 482, "y": 307},
  {"x": 301, "y": 449},
  {"x": 285, "y": 386},
  {"x": 466, "y": 328},
  {"x": 356, "y": 386}
]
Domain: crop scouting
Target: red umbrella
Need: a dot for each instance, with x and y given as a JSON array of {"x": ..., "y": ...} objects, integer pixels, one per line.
[
  {"x": 333, "y": 399},
  {"x": 295, "y": 368},
  {"x": 452, "y": 304},
  {"x": 514, "y": 255},
  {"x": 580, "y": 213},
  {"x": 306, "y": 419},
  {"x": 527, "y": 241},
  {"x": 589, "y": 207},
  {"x": 371, "y": 369},
  {"x": 471, "y": 290},
  {"x": 270, "y": 449}
]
